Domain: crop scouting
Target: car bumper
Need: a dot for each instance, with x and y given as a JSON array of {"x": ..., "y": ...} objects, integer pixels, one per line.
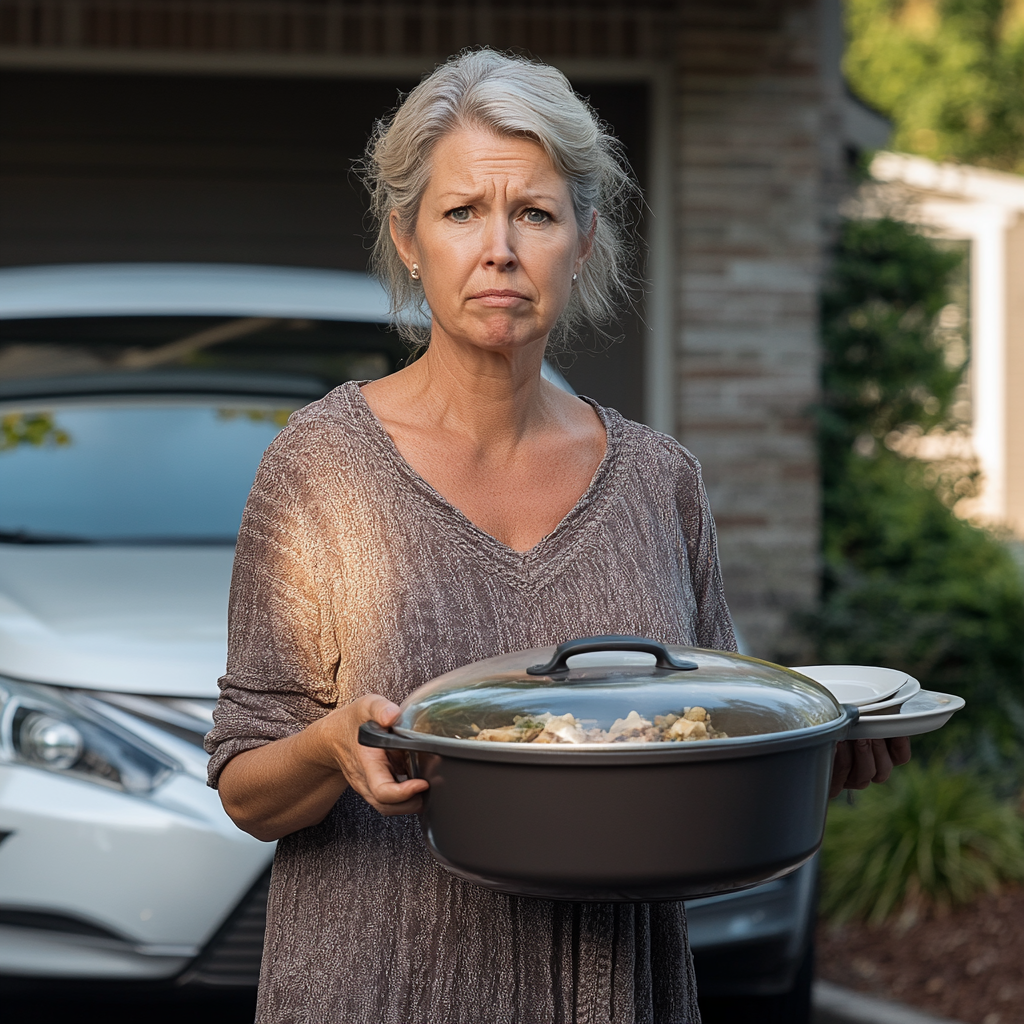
[
  {"x": 100, "y": 884},
  {"x": 753, "y": 942}
]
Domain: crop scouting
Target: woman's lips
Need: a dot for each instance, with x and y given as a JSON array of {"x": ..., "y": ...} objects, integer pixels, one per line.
[{"x": 499, "y": 297}]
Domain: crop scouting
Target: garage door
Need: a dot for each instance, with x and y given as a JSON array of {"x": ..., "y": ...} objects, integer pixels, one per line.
[{"x": 116, "y": 167}]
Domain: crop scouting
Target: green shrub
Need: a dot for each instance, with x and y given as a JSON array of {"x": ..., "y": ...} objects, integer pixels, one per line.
[
  {"x": 927, "y": 838},
  {"x": 910, "y": 586},
  {"x": 906, "y": 583},
  {"x": 885, "y": 366}
]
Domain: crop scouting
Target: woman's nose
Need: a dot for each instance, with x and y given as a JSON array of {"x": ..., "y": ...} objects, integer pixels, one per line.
[{"x": 499, "y": 249}]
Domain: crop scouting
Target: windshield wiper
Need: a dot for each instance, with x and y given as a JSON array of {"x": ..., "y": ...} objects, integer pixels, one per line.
[
  {"x": 161, "y": 542},
  {"x": 28, "y": 537}
]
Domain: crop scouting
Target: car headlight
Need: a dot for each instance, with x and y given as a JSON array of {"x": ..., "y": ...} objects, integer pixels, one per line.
[
  {"x": 46, "y": 740},
  {"x": 55, "y": 730}
]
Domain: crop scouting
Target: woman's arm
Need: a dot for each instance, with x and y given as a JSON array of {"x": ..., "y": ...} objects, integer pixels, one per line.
[
  {"x": 279, "y": 761},
  {"x": 294, "y": 782}
]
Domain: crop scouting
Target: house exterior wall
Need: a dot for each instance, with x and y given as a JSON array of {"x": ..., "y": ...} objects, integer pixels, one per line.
[
  {"x": 985, "y": 208},
  {"x": 748, "y": 139}
]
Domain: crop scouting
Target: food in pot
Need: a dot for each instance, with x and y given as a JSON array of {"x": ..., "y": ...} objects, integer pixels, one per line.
[{"x": 692, "y": 724}]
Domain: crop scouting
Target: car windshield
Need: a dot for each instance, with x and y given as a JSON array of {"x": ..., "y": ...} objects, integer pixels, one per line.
[{"x": 133, "y": 470}]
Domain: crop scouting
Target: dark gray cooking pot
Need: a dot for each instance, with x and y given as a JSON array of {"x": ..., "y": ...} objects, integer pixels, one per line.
[{"x": 621, "y": 821}]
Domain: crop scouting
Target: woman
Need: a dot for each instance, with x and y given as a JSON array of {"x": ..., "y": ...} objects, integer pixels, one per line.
[{"x": 456, "y": 510}]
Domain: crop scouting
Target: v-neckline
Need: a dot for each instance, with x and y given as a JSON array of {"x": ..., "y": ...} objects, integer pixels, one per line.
[{"x": 387, "y": 445}]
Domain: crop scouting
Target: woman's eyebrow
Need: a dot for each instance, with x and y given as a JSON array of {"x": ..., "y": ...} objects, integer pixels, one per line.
[
  {"x": 524, "y": 196},
  {"x": 540, "y": 197}
]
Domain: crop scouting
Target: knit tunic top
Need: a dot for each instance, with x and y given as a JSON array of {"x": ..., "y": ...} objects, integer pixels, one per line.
[{"x": 353, "y": 576}]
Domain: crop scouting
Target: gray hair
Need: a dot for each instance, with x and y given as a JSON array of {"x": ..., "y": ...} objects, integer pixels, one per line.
[{"x": 514, "y": 97}]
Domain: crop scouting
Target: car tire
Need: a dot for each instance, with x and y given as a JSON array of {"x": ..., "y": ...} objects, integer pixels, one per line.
[{"x": 792, "y": 1007}]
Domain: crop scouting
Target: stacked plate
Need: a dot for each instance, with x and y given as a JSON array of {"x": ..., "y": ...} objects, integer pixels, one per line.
[{"x": 891, "y": 703}]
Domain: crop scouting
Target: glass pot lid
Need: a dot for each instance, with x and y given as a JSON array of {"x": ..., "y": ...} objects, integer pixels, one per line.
[{"x": 621, "y": 690}]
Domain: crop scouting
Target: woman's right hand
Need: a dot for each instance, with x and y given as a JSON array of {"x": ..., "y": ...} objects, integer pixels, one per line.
[
  {"x": 369, "y": 771},
  {"x": 292, "y": 783}
]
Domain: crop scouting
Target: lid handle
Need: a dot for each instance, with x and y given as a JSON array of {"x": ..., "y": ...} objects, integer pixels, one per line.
[{"x": 586, "y": 644}]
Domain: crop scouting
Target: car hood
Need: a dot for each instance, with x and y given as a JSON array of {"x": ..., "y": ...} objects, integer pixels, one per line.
[{"x": 130, "y": 619}]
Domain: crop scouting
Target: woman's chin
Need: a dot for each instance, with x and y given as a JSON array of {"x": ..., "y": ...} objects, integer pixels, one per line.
[{"x": 503, "y": 336}]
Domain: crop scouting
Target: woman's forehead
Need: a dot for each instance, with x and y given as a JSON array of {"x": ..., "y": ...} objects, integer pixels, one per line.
[{"x": 470, "y": 158}]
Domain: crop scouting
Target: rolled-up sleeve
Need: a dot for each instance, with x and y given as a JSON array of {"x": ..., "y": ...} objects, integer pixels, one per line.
[{"x": 282, "y": 651}]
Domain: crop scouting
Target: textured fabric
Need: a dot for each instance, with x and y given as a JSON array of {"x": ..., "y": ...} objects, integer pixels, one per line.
[{"x": 353, "y": 575}]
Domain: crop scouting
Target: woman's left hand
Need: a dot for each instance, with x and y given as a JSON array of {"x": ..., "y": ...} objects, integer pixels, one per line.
[{"x": 858, "y": 763}]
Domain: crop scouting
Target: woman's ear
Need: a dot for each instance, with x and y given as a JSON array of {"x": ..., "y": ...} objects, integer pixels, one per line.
[{"x": 403, "y": 243}]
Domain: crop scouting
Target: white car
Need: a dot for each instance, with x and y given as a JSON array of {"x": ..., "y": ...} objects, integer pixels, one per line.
[{"x": 135, "y": 403}]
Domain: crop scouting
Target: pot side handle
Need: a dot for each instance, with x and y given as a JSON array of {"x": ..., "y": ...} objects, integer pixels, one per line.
[
  {"x": 586, "y": 644},
  {"x": 851, "y": 716},
  {"x": 373, "y": 735}
]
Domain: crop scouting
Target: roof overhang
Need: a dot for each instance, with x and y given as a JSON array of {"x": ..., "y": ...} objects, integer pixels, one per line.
[{"x": 953, "y": 181}]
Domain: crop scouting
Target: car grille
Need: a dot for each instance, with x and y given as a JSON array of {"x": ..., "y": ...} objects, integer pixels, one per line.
[{"x": 232, "y": 957}]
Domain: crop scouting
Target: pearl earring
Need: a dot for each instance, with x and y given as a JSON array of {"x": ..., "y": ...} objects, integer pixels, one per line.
[
  {"x": 573, "y": 278},
  {"x": 415, "y": 272}
]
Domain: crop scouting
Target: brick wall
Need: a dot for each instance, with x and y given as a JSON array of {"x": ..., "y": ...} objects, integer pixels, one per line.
[{"x": 749, "y": 241}]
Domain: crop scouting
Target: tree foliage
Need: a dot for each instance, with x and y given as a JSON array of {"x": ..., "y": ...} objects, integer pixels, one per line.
[
  {"x": 907, "y": 584},
  {"x": 33, "y": 428},
  {"x": 950, "y": 74}
]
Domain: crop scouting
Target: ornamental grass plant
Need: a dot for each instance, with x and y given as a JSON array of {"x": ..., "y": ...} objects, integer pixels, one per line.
[{"x": 926, "y": 840}]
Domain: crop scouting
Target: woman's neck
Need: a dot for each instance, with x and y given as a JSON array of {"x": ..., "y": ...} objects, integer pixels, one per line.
[
  {"x": 490, "y": 398},
  {"x": 510, "y": 451}
]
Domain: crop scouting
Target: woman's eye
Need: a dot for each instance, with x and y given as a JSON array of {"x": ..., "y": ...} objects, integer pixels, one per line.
[
  {"x": 535, "y": 216},
  {"x": 460, "y": 214}
]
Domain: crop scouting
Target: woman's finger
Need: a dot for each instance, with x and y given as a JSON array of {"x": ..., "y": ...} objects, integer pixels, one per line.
[
  {"x": 862, "y": 770},
  {"x": 883, "y": 762},
  {"x": 380, "y": 780},
  {"x": 379, "y": 709},
  {"x": 380, "y": 784},
  {"x": 398, "y": 792},
  {"x": 840, "y": 769},
  {"x": 899, "y": 750},
  {"x": 394, "y": 810},
  {"x": 392, "y": 798}
]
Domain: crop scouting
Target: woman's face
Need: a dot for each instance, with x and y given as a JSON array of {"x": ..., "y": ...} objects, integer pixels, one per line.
[{"x": 496, "y": 241}]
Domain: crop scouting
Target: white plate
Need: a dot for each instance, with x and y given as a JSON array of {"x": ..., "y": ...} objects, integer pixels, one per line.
[
  {"x": 856, "y": 684},
  {"x": 904, "y": 693},
  {"x": 924, "y": 712}
]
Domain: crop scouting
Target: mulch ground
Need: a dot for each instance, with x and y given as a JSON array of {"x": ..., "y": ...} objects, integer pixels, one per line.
[{"x": 967, "y": 965}]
